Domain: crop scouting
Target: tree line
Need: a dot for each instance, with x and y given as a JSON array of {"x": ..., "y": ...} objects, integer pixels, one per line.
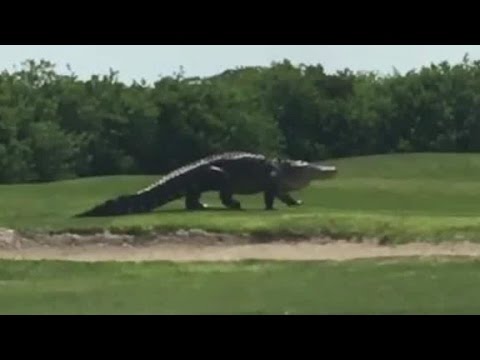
[{"x": 55, "y": 126}]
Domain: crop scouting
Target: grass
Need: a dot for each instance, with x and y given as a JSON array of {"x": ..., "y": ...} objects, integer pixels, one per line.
[
  {"x": 411, "y": 286},
  {"x": 426, "y": 197},
  {"x": 400, "y": 198}
]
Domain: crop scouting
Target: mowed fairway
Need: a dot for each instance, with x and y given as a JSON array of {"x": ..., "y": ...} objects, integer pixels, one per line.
[
  {"x": 399, "y": 198},
  {"x": 396, "y": 197},
  {"x": 356, "y": 287}
]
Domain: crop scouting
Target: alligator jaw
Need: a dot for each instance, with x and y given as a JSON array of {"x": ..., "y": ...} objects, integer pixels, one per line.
[
  {"x": 320, "y": 172},
  {"x": 297, "y": 175}
]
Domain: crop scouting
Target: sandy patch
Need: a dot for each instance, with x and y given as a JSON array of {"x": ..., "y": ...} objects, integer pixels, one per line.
[{"x": 197, "y": 245}]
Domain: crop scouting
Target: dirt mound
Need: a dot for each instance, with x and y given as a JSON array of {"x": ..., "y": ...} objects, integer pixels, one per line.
[
  {"x": 10, "y": 239},
  {"x": 198, "y": 245}
]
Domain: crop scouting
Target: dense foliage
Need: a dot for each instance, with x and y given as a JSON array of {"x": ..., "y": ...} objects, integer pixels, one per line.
[{"x": 55, "y": 126}]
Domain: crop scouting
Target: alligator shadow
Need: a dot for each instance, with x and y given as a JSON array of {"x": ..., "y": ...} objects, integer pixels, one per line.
[{"x": 186, "y": 211}]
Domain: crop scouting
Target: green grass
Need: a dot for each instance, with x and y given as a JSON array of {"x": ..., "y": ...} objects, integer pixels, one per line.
[
  {"x": 409, "y": 286},
  {"x": 430, "y": 197}
]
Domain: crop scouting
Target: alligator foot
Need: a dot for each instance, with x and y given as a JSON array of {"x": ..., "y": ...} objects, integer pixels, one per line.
[
  {"x": 192, "y": 201},
  {"x": 196, "y": 207},
  {"x": 228, "y": 201},
  {"x": 234, "y": 205},
  {"x": 288, "y": 200}
]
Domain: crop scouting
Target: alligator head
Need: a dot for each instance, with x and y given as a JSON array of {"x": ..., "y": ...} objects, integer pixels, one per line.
[{"x": 297, "y": 174}]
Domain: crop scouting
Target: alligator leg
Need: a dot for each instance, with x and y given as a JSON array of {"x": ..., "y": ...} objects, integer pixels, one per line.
[
  {"x": 225, "y": 188},
  {"x": 269, "y": 198},
  {"x": 228, "y": 201},
  {"x": 192, "y": 200},
  {"x": 271, "y": 191},
  {"x": 287, "y": 199},
  {"x": 212, "y": 179}
]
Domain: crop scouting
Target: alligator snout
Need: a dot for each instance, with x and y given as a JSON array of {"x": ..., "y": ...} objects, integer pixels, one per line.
[{"x": 326, "y": 171}]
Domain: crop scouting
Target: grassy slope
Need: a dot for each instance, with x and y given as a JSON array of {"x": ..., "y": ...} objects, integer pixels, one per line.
[
  {"x": 378, "y": 287},
  {"x": 401, "y": 197}
]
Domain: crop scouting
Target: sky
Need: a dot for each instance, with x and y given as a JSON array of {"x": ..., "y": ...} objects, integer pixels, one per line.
[{"x": 149, "y": 62}]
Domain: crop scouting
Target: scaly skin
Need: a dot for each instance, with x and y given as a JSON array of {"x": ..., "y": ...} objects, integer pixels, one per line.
[{"x": 228, "y": 174}]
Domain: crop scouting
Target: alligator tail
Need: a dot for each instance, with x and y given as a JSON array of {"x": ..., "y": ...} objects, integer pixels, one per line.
[
  {"x": 122, "y": 205},
  {"x": 164, "y": 191}
]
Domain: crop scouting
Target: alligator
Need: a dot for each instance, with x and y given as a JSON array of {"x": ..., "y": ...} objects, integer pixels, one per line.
[{"x": 226, "y": 173}]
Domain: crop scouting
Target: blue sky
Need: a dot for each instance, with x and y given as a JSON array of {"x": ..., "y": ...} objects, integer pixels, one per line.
[{"x": 150, "y": 61}]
